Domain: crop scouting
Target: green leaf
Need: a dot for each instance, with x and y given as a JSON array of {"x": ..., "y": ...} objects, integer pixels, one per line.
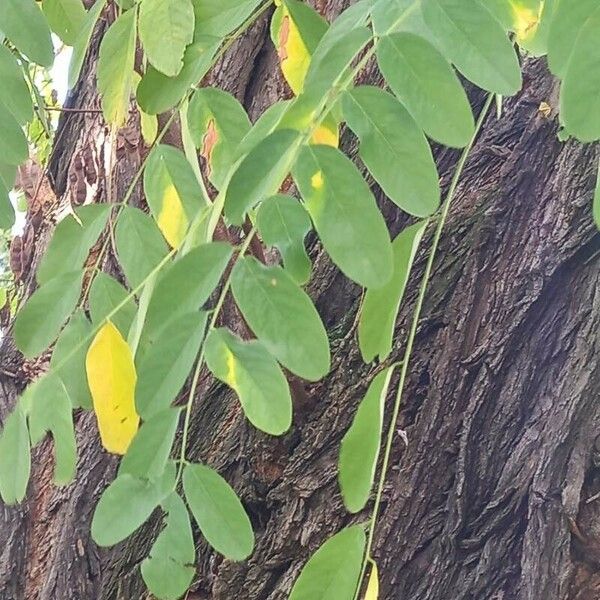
[
  {"x": 157, "y": 93},
  {"x": 82, "y": 41},
  {"x": 149, "y": 451},
  {"x": 126, "y": 504},
  {"x": 569, "y": 21},
  {"x": 72, "y": 241},
  {"x": 169, "y": 569},
  {"x": 69, "y": 364},
  {"x": 15, "y": 457},
  {"x": 475, "y": 42},
  {"x": 115, "y": 68},
  {"x": 24, "y": 25},
  {"x": 580, "y": 91},
  {"x": 165, "y": 366},
  {"x": 140, "y": 245},
  {"x": 360, "y": 446},
  {"x": 345, "y": 214},
  {"x": 50, "y": 410},
  {"x": 261, "y": 173},
  {"x": 218, "y": 512},
  {"x": 332, "y": 572},
  {"x": 14, "y": 93},
  {"x": 7, "y": 178},
  {"x": 176, "y": 292},
  {"x": 221, "y": 17},
  {"x": 172, "y": 192},
  {"x": 218, "y": 122},
  {"x": 166, "y": 28},
  {"x": 106, "y": 294},
  {"x": 332, "y": 58},
  {"x": 65, "y": 18},
  {"x": 264, "y": 125},
  {"x": 283, "y": 223},
  {"x": 394, "y": 149},
  {"x": 256, "y": 378},
  {"x": 380, "y": 306},
  {"x": 13, "y": 143},
  {"x": 427, "y": 86},
  {"x": 282, "y": 316},
  {"x": 40, "y": 320}
]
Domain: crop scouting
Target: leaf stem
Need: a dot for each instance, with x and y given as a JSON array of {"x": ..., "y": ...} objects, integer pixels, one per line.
[{"x": 413, "y": 332}]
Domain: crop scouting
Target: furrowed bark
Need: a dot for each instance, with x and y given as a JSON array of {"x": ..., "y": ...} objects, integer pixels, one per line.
[{"x": 492, "y": 497}]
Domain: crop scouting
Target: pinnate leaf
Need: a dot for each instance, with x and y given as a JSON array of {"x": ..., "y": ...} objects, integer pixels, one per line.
[
  {"x": 169, "y": 569},
  {"x": 166, "y": 28},
  {"x": 394, "y": 149},
  {"x": 282, "y": 316},
  {"x": 360, "y": 446},
  {"x": 283, "y": 222},
  {"x": 332, "y": 572},
  {"x": 425, "y": 83},
  {"x": 127, "y": 503},
  {"x": 345, "y": 214},
  {"x": 255, "y": 376},
  {"x": 475, "y": 42},
  {"x": 218, "y": 512},
  {"x": 15, "y": 457},
  {"x": 40, "y": 320},
  {"x": 115, "y": 68},
  {"x": 380, "y": 306}
]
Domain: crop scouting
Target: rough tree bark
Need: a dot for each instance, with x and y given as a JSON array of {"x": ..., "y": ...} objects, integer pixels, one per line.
[{"x": 493, "y": 498}]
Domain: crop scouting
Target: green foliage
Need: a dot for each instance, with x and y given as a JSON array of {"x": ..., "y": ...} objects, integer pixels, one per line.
[
  {"x": 40, "y": 320},
  {"x": 177, "y": 279},
  {"x": 283, "y": 223},
  {"x": 166, "y": 28},
  {"x": 268, "y": 297},
  {"x": 332, "y": 572},
  {"x": 249, "y": 369},
  {"x": 345, "y": 214},
  {"x": 360, "y": 446},
  {"x": 168, "y": 571},
  {"x": 65, "y": 18},
  {"x": 127, "y": 503},
  {"x": 394, "y": 150},
  {"x": 72, "y": 241},
  {"x": 218, "y": 512},
  {"x": 380, "y": 305},
  {"x": 164, "y": 367}
]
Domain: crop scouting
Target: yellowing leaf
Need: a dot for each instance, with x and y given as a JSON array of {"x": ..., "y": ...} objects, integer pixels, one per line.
[
  {"x": 292, "y": 53},
  {"x": 373, "y": 587},
  {"x": 172, "y": 220},
  {"x": 525, "y": 19},
  {"x": 296, "y": 30},
  {"x": 327, "y": 133},
  {"x": 111, "y": 378}
]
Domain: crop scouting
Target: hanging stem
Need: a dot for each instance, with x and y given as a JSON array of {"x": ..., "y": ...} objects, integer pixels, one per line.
[{"x": 413, "y": 332}]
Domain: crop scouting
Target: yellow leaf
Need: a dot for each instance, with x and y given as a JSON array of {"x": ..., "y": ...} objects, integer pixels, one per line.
[
  {"x": 525, "y": 19},
  {"x": 327, "y": 132},
  {"x": 294, "y": 56},
  {"x": 111, "y": 378},
  {"x": 172, "y": 220},
  {"x": 373, "y": 587}
]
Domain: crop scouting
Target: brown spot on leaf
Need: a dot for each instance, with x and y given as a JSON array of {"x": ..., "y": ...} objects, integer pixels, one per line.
[
  {"x": 284, "y": 34},
  {"x": 211, "y": 137}
]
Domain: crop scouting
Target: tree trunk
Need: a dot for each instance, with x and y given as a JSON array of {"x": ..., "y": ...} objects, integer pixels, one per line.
[{"x": 492, "y": 497}]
